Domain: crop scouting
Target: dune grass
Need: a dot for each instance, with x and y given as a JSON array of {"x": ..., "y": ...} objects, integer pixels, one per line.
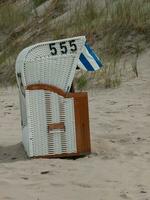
[
  {"x": 38, "y": 2},
  {"x": 113, "y": 23},
  {"x": 11, "y": 17},
  {"x": 117, "y": 28}
]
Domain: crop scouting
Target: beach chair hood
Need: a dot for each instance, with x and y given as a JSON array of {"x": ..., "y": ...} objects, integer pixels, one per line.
[{"x": 51, "y": 62}]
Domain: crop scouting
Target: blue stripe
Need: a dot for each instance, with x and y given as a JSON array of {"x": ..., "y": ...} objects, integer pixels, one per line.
[
  {"x": 92, "y": 53},
  {"x": 86, "y": 63}
]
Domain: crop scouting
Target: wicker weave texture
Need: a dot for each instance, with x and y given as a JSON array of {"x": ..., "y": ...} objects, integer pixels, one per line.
[
  {"x": 44, "y": 108},
  {"x": 53, "y": 63}
]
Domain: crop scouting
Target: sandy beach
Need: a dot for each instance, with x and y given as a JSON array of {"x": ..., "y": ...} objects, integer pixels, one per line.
[{"x": 118, "y": 168}]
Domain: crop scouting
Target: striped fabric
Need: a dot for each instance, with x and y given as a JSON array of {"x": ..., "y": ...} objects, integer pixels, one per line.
[{"x": 88, "y": 59}]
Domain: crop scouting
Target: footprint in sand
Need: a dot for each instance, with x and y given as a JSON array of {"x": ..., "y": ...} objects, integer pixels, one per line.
[
  {"x": 57, "y": 184},
  {"x": 84, "y": 185}
]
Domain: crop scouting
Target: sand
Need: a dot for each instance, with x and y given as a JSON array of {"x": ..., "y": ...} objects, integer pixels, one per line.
[{"x": 119, "y": 167}]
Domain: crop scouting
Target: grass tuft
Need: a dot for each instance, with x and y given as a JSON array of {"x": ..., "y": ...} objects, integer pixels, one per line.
[
  {"x": 11, "y": 17},
  {"x": 38, "y": 2},
  {"x": 81, "y": 82}
]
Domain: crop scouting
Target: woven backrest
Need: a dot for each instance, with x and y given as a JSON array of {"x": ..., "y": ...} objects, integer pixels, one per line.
[{"x": 52, "y": 63}]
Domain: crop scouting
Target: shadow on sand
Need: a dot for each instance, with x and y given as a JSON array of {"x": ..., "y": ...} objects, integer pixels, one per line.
[{"x": 12, "y": 153}]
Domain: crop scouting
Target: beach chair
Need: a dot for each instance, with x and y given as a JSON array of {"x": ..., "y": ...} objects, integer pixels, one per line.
[{"x": 55, "y": 122}]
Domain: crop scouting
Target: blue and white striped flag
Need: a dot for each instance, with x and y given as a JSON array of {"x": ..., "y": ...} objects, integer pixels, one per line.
[{"x": 88, "y": 59}]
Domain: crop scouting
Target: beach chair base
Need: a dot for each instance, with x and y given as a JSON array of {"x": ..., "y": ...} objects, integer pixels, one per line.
[
  {"x": 65, "y": 155},
  {"x": 81, "y": 118}
]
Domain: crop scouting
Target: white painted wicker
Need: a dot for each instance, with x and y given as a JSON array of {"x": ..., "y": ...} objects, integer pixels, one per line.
[
  {"x": 39, "y": 108},
  {"x": 44, "y": 108},
  {"x": 37, "y": 64}
]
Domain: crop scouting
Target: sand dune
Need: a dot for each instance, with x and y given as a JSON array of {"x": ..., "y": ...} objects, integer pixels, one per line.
[{"x": 119, "y": 167}]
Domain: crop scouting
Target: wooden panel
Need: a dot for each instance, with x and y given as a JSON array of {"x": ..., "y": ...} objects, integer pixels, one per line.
[
  {"x": 56, "y": 126},
  {"x": 82, "y": 122},
  {"x": 63, "y": 155}
]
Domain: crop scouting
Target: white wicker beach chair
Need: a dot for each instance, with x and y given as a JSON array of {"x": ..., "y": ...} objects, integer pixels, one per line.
[{"x": 45, "y": 72}]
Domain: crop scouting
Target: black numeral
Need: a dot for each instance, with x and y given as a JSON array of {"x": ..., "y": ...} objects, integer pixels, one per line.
[
  {"x": 73, "y": 45},
  {"x": 63, "y": 47},
  {"x": 53, "y": 49}
]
